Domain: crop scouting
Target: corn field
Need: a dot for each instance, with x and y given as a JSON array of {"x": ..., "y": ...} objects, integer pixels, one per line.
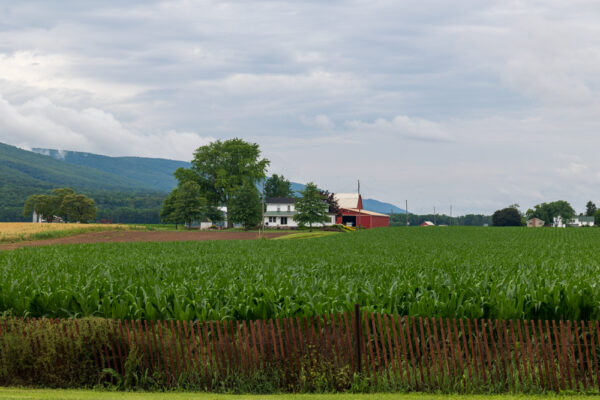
[{"x": 441, "y": 272}]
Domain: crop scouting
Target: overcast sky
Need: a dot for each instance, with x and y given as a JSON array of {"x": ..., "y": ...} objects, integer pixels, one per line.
[{"x": 478, "y": 104}]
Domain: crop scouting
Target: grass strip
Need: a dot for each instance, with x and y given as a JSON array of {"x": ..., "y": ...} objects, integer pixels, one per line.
[
  {"x": 58, "y": 394},
  {"x": 305, "y": 235}
]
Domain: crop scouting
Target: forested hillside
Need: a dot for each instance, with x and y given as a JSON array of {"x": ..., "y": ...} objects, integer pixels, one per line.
[
  {"x": 153, "y": 173},
  {"x": 23, "y": 173},
  {"x": 126, "y": 189}
]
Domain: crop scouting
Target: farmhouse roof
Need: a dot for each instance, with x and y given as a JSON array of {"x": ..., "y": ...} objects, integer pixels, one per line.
[
  {"x": 348, "y": 201},
  {"x": 280, "y": 200}
]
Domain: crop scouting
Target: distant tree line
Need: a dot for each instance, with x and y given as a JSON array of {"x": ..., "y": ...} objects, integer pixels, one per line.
[
  {"x": 547, "y": 212},
  {"x": 399, "y": 219}
]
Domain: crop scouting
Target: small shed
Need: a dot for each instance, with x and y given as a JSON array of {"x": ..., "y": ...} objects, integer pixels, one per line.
[{"x": 427, "y": 223}]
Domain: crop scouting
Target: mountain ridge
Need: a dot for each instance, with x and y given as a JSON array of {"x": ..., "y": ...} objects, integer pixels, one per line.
[
  {"x": 125, "y": 188},
  {"x": 166, "y": 181}
]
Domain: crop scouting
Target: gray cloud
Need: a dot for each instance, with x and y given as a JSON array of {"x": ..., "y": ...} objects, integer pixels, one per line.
[{"x": 478, "y": 104}]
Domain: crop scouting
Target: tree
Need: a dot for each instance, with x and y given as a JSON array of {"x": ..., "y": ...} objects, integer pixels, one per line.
[
  {"x": 221, "y": 168},
  {"x": 597, "y": 218},
  {"x": 312, "y": 207},
  {"x": 245, "y": 206},
  {"x": 168, "y": 212},
  {"x": 509, "y": 216},
  {"x": 278, "y": 186},
  {"x": 334, "y": 207},
  {"x": 44, "y": 205},
  {"x": 59, "y": 195},
  {"x": 590, "y": 209},
  {"x": 78, "y": 207},
  {"x": 548, "y": 211},
  {"x": 189, "y": 204}
]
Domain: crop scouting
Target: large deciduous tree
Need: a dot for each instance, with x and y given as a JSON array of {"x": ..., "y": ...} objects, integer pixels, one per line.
[
  {"x": 222, "y": 167},
  {"x": 245, "y": 206},
  {"x": 278, "y": 186},
  {"x": 78, "y": 207},
  {"x": 312, "y": 207},
  {"x": 508, "y": 216},
  {"x": 185, "y": 204},
  {"x": 42, "y": 204}
]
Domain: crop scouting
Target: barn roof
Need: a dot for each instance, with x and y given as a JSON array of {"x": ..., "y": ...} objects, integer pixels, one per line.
[
  {"x": 366, "y": 212},
  {"x": 347, "y": 200}
]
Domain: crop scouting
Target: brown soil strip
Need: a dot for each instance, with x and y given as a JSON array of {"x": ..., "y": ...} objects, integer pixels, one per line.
[{"x": 140, "y": 236}]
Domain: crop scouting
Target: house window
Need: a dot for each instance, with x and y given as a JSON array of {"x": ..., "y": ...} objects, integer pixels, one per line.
[
  {"x": 272, "y": 219},
  {"x": 289, "y": 208},
  {"x": 283, "y": 220},
  {"x": 278, "y": 208}
]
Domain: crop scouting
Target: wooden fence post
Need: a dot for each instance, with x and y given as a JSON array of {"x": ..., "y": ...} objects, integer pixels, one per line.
[{"x": 357, "y": 336}]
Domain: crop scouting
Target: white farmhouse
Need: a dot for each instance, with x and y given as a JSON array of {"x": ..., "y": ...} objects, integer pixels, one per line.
[
  {"x": 581, "y": 220},
  {"x": 280, "y": 213}
]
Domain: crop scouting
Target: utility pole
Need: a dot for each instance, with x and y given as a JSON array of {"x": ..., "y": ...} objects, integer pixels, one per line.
[
  {"x": 262, "y": 223},
  {"x": 406, "y": 212},
  {"x": 359, "y": 205}
]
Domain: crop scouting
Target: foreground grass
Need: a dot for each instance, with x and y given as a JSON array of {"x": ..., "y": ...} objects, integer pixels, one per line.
[{"x": 33, "y": 394}]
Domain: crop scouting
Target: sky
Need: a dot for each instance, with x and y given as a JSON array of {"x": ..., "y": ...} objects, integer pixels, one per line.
[{"x": 474, "y": 104}]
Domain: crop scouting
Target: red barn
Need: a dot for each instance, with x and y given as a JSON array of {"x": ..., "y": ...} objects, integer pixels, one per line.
[{"x": 352, "y": 212}]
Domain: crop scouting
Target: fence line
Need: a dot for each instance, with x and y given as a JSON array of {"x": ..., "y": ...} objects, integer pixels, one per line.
[{"x": 415, "y": 352}]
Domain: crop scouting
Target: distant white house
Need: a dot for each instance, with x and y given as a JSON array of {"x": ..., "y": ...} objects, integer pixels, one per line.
[
  {"x": 37, "y": 218},
  {"x": 577, "y": 221},
  {"x": 581, "y": 220},
  {"x": 280, "y": 213}
]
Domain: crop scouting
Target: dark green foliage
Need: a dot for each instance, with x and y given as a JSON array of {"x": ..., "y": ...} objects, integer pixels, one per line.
[
  {"x": 120, "y": 199},
  {"x": 52, "y": 354},
  {"x": 153, "y": 173},
  {"x": 590, "y": 209},
  {"x": 334, "y": 207},
  {"x": 278, "y": 186},
  {"x": 597, "y": 218},
  {"x": 78, "y": 208},
  {"x": 185, "y": 205},
  {"x": 245, "y": 206},
  {"x": 26, "y": 169},
  {"x": 312, "y": 207},
  {"x": 441, "y": 219},
  {"x": 62, "y": 202},
  {"x": 509, "y": 216},
  {"x": 548, "y": 211},
  {"x": 44, "y": 205},
  {"x": 222, "y": 167}
]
